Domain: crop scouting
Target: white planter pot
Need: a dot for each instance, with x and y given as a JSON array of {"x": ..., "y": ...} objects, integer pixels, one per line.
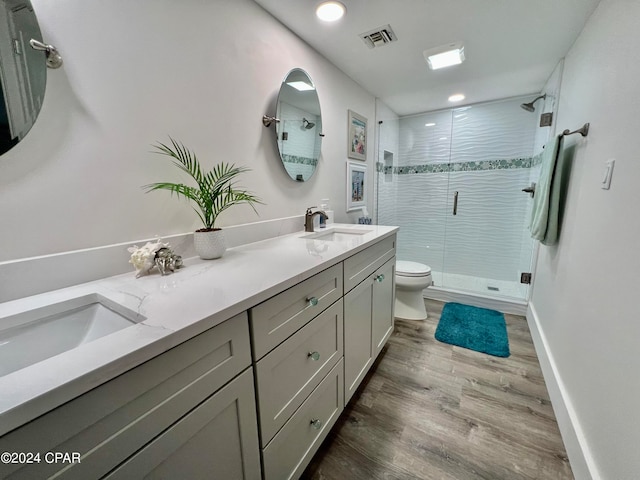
[{"x": 209, "y": 244}]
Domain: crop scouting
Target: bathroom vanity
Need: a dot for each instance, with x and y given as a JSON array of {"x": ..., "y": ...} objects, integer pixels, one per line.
[{"x": 239, "y": 369}]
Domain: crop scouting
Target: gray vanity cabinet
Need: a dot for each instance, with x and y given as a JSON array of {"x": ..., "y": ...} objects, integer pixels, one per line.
[
  {"x": 297, "y": 340},
  {"x": 368, "y": 309},
  {"x": 197, "y": 411},
  {"x": 313, "y": 344},
  {"x": 287, "y": 375},
  {"x": 154, "y": 409}
]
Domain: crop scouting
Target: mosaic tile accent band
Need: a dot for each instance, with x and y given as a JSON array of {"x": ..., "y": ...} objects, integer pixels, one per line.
[
  {"x": 501, "y": 164},
  {"x": 301, "y": 160}
]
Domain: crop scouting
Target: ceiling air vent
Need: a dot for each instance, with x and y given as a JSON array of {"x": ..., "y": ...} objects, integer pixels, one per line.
[{"x": 379, "y": 36}]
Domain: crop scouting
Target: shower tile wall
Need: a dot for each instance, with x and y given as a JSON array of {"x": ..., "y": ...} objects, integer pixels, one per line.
[{"x": 485, "y": 153}]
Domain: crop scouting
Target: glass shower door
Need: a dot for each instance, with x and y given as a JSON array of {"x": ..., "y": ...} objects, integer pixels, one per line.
[
  {"x": 484, "y": 154},
  {"x": 488, "y": 245},
  {"x": 412, "y": 171}
]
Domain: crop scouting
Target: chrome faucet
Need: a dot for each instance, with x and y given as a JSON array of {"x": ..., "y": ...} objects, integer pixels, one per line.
[{"x": 308, "y": 218}]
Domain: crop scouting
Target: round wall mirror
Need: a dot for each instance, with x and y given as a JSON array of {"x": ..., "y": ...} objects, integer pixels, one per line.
[
  {"x": 23, "y": 72},
  {"x": 299, "y": 125}
]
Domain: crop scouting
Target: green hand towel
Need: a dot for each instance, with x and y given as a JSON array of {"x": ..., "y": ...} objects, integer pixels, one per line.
[{"x": 545, "y": 218}]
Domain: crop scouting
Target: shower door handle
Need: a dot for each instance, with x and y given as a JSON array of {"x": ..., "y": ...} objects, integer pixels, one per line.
[
  {"x": 455, "y": 203},
  {"x": 531, "y": 190}
]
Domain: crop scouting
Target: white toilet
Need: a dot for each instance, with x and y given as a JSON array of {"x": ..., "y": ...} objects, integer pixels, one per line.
[{"x": 411, "y": 279}]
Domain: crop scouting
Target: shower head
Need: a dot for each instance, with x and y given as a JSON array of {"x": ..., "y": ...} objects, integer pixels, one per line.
[
  {"x": 307, "y": 124},
  {"x": 529, "y": 106}
]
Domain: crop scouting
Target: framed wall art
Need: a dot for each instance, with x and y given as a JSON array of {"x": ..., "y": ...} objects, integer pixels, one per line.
[
  {"x": 356, "y": 186},
  {"x": 357, "y": 136}
]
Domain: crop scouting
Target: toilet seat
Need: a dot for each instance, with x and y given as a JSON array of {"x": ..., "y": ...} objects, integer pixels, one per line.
[{"x": 405, "y": 268}]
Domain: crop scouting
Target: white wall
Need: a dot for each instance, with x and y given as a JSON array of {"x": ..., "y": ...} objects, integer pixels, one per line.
[
  {"x": 201, "y": 71},
  {"x": 586, "y": 288}
]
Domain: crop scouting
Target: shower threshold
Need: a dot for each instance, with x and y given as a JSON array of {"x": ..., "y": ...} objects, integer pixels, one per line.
[
  {"x": 511, "y": 297},
  {"x": 487, "y": 286}
]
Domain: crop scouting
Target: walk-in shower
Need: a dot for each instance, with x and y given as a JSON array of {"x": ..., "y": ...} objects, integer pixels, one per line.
[{"x": 452, "y": 180}]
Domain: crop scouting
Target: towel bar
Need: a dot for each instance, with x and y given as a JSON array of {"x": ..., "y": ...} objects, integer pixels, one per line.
[{"x": 584, "y": 131}]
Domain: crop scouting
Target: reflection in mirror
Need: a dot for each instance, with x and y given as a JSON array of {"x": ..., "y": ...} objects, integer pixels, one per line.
[
  {"x": 23, "y": 73},
  {"x": 299, "y": 125}
]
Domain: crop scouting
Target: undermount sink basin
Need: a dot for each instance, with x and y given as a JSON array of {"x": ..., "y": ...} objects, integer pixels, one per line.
[
  {"x": 35, "y": 335},
  {"x": 338, "y": 234}
]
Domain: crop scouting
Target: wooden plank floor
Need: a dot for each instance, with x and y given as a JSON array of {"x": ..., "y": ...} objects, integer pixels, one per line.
[{"x": 429, "y": 410}]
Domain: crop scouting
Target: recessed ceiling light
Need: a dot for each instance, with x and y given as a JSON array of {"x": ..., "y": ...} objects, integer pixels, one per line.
[
  {"x": 445, "y": 56},
  {"x": 431, "y": 124},
  {"x": 458, "y": 97},
  {"x": 330, "y": 11},
  {"x": 301, "y": 86}
]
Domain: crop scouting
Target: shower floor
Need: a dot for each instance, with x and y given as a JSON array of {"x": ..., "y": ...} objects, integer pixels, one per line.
[{"x": 484, "y": 286}]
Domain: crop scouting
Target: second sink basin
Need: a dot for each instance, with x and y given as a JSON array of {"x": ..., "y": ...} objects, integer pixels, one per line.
[
  {"x": 41, "y": 333},
  {"x": 337, "y": 234}
]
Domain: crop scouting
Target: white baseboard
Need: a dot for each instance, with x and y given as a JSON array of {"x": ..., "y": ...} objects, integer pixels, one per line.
[
  {"x": 517, "y": 307},
  {"x": 582, "y": 462}
]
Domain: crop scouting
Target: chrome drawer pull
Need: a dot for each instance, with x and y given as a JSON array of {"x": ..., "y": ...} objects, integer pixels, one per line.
[
  {"x": 315, "y": 356},
  {"x": 316, "y": 423},
  {"x": 380, "y": 278},
  {"x": 313, "y": 301}
]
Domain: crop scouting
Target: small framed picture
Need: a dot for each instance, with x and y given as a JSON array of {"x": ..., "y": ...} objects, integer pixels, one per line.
[
  {"x": 356, "y": 186},
  {"x": 357, "y": 136}
]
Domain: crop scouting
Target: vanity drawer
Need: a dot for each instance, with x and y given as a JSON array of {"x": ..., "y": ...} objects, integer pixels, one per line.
[
  {"x": 362, "y": 264},
  {"x": 291, "y": 449},
  {"x": 274, "y": 320},
  {"x": 287, "y": 375},
  {"x": 109, "y": 422}
]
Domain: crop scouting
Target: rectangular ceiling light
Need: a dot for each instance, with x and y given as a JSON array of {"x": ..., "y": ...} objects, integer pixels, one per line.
[
  {"x": 446, "y": 56},
  {"x": 301, "y": 86}
]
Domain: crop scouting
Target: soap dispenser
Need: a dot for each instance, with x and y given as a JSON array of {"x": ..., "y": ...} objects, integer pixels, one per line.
[{"x": 324, "y": 206}]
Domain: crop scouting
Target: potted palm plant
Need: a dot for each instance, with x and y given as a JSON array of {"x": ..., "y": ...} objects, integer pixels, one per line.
[{"x": 214, "y": 192}]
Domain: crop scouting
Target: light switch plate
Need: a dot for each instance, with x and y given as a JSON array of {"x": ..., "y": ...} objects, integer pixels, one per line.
[{"x": 608, "y": 173}]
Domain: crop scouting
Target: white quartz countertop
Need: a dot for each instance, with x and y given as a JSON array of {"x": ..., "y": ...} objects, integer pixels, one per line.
[{"x": 177, "y": 307}]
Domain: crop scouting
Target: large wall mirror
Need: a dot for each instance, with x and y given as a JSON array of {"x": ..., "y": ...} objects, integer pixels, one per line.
[
  {"x": 23, "y": 72},
  {"x": 298, "y": 125}
]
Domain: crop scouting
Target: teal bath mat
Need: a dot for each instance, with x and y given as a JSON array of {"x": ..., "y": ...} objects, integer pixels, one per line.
[{"x": 474, "y": 328}]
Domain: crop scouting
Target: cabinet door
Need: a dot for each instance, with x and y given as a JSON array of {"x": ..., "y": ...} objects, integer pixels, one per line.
[
  {"x": 217, "y": 440},
  {"x": 383, "y": 301},
  {"x": 358, "y": 342}
]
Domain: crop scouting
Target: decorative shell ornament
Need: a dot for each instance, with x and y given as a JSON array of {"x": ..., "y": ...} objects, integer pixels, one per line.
[{"x": 154, "y": 254}]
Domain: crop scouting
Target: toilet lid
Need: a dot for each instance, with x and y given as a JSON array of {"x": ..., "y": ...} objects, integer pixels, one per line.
[{"x": 412, "y": 269}]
